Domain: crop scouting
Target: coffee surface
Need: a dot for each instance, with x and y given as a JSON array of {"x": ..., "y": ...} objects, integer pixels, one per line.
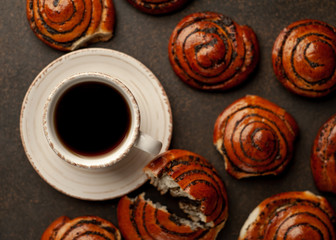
[{"x": 91, "y": 118}]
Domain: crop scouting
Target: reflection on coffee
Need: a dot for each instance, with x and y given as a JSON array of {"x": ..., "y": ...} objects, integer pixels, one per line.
[{"x": 91, "y": 118}]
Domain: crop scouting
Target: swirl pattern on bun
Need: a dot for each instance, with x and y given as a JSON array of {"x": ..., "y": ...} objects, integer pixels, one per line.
[
  {"x": 67, "y": 25},
  {"x": 323, "y": 162},
  {"x": 86, "y": 227},
  {"x": 291, "y": 215},
  {"x": 304, "y": 58},
  {"x": 210, "y": 51},
  {"x": 255, "y": 137}
]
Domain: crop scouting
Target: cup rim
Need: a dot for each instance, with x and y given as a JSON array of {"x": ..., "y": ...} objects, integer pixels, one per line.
[{"x": 99, "y": 161}]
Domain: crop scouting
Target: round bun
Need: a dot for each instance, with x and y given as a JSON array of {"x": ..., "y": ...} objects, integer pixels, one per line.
[
  {"x": 203, "y": 198},
  {"x": 210, "y": 51},
  {"x": 157, "y": 7},
  {"x": 68, "y": 25},
  {"x": 304, "y": 58},
  {"x": 255, "y": 137},
  {"x": 323, "y": 163},
  {"x": 88, "y": 227},
  {"x": 290, "y": 215}
]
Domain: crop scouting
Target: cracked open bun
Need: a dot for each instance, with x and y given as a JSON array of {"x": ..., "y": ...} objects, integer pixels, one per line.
[
  {"x": 200, "y": 191},
  {"x": 142, "y": 219},
  {"x": 85, "y": 227}
]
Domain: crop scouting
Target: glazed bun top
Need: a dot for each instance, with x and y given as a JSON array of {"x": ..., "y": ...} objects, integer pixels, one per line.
[
  {"x": 210, "y": 51},
  {"x": 84, "y": 227},
  {"x": 291, "y": 215},
  {"x": 255, "y": 137},
  {"x": 304, "y": 58},
  {"x": 68, "y": 25}
]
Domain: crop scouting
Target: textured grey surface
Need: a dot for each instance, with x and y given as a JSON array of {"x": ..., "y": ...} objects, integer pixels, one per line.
[{"x": 28, "y": 204}]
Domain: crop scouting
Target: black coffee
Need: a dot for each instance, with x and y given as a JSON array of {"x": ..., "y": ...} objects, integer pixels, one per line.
[{"x": 91, "y": 118}]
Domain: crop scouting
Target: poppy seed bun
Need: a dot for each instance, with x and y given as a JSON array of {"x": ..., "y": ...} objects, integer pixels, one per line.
[
  {"x": 323, "y": 162},
  {"x": 189, "y": 175},
  {"x": 290, "y": 215},
  {"x": 142, "y": 219},
  {"x": 255, "y": 137},
  {"x": 210, "y": 51},
  {"x": 86, "y": 227},
  {"x": 69, "y": 25},
  {"x": 304, "y": 58}
]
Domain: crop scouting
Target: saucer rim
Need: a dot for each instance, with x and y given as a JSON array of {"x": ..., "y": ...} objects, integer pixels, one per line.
[{"x": 85, "y": 52}]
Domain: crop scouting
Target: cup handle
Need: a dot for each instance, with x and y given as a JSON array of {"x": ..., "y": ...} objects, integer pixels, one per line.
[{"x": 148, "y": 144}]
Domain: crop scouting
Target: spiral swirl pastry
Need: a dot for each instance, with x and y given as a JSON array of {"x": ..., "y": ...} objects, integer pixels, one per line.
[
  {"x": 69, "y": 24},
  {"x": 304, "y": 58},
  {"x": 323, "y": 162},
  {"x": 291, "y": 215},
  {"x": 187, "y": 174},
  {"x": 141, "y": 219},
  {"x": 210, "y": 51},
  {"x": 255, "y": 137},
  {"x": 86, "y": 227},
  {"x": 157, "y": 7}
]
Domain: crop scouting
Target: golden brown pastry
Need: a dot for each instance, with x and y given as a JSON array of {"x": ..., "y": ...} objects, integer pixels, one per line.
[
  {"x": 304, "y": 58},
  {"x": 255, "y": 137},
  {"x": 141, "y": 219},
  {"x": 210, "y": 51},
  {"x": 187, "y": 175},
  {"x": 322, "y": 162},
  {"x": 157, "y": 7},
  {"x": 291, "y": 215},
  {"x": 68, "y": 25},
  {"x": 86, "y": 227}
]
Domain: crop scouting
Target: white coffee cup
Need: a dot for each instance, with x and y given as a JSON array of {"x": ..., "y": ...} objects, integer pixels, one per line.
[{"x": 95, "y": 97}]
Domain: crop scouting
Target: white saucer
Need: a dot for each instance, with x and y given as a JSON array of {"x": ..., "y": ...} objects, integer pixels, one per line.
[{"x": 95, "y": 184}]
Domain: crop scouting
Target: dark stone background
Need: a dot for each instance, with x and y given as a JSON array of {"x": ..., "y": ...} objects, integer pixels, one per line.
[{"x": 28, "y": 204}]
